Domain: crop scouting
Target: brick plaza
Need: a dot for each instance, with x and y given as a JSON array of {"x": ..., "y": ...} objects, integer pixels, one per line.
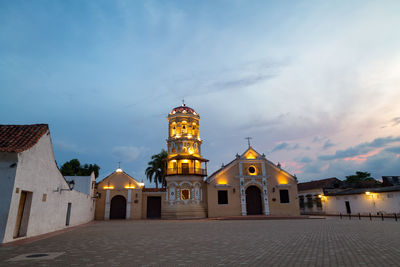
[{"x": 312, "y": 242}]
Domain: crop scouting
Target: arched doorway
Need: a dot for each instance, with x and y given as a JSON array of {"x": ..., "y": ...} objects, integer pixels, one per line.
[
  {"x": 253, "y": 200},
  {"x": 118, "y": 207}
]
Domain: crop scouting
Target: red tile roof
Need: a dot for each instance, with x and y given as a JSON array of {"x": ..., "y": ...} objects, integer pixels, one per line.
[
  {"x": 18, "y": 138},
  {"x": 317, "y": 184}
]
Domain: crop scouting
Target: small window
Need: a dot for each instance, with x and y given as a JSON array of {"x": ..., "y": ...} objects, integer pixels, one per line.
[
  {"x": 222, "y": 197},
  {"x": 252, "y": 170},
  {"x": 284, "y": 194},
  {"x": 44, "y": 197}
]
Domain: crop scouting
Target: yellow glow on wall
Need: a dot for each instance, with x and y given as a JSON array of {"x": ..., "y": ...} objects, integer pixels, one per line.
[
  {"x": 250, "y": 156},
  {"x": 368, "y": 193},
  {"x": 282, "y": 180},
  {"x": 222, "y": 181},
  {"x": 130, "y": 187},
  {"x": 108, "y": 187}
]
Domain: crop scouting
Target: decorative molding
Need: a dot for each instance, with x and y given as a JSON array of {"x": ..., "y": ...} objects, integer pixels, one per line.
[
  {"x": 222, "y": 185},
  {"x": 283, "y": 185}
]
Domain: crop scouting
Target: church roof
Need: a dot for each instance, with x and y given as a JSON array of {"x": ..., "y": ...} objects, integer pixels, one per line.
[
  {"x": 183, "y": 109},
  {"x": 18, "y": 138}
]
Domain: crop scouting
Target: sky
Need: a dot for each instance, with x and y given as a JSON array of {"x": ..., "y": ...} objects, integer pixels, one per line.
[{"x": 314, "y": 83}]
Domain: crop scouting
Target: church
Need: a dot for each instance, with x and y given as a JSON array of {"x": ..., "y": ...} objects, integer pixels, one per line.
[{"x": 249, "y": 185}]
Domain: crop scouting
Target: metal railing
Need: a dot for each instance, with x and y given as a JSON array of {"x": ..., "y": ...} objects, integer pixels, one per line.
[
  {"x": 194, "y": 171},
  {"x": 369, "y": 216}
]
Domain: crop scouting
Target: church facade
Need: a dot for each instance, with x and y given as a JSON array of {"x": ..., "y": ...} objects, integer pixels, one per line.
[{"x": 249, "y": 185}]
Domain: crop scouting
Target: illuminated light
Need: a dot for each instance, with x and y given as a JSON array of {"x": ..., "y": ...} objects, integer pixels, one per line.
[
  {"x": 129, "y": 186},
  {"x": 282, "y": 180},
  {"x": 320, "y": 196},
  {"x": 252, "y": 170},
  {"x": 250, "y": 156},
  {"x": 119, "y": 170},
  {"x": 189, "y": 136},
  {"x": 222, "y": 181},
  {"x": 185, "y": 161},
  {"x": 108, "y": 187},
  {"x": 141, "y": 184},
  {"x": 368, "y": 193}
]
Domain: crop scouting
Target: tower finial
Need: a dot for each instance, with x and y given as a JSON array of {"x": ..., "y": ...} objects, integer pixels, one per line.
[
  {"x": 119, "y": 167},
  {"x": 248, "y": 140},
  {"x": 183, "y": 103}
]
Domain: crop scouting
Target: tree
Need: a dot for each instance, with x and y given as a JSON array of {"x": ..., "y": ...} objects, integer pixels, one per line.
[
  {"x": 361, "y": 180},
  {"x": 74, "y": 167},
  {"x": 156, "y": 168}
]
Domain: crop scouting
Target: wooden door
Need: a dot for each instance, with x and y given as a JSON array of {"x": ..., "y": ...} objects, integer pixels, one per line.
[
  {"x": 153, "y": 207},
  {"x": 118, "y": 207},
  {"x": 185, "y": 168},
  {"x": 253, "y": 200},
  {"x": 24, "y": 210}
]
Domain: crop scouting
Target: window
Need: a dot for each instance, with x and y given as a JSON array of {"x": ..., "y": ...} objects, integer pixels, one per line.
[
  {"x": 252, "y": 170},
  {"x": 318, "y": 201},
  {"x": 222, "y": 197},
  {"x": 284, "y": 194},
  {"x": 301, "y": 202}
]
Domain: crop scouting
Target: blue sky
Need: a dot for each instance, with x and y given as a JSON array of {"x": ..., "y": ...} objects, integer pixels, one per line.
[{"x": 315, "y": 83}]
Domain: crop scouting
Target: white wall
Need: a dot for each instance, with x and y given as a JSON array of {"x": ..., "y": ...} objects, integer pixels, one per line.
[
  {"x": 7, "y": 177},
  {"x": 37, "y": 172},
  {"x": 387, "y": 203}
]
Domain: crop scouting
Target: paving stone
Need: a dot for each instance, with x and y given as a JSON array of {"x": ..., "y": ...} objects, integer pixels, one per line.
[{"x": 329, "y": 242}]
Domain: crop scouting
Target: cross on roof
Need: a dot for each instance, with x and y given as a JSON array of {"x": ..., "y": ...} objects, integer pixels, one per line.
[{"x": 248, "y": 140}]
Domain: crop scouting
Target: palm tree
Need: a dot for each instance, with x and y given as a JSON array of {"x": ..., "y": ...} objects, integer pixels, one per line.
[{"x": 156, "y": 168}]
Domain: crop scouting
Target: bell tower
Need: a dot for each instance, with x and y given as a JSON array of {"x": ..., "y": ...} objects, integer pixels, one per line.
[{"x": 185, "y": 167}]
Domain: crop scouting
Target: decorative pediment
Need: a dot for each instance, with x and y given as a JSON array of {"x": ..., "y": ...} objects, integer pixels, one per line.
[{"x": 250, "y": 153}]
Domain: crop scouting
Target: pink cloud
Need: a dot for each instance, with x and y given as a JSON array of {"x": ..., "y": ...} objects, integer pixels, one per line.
[
  {"x": 292, "y": 166},
  {"x": 363, "y": 157}
]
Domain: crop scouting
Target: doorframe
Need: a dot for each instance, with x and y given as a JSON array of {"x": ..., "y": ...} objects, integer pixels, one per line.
[
  {"x": 260, "y": 199},
  {"x": 23, "y": 214}
]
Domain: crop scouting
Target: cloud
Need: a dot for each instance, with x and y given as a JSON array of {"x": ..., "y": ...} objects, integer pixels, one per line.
[
  {"x": 66, "y": 146},
  {"x": 305, "y": 160},
  {"x": 242, "y": 82},
  {"x": 318, "y": 139},
  {"x": 394, "y": 149},
  {"x": 128, "y": 153},
  {"x": 285, "y": 146},
  {"x": 360, "y": 149},
  {"x": 328, "y": 144},
  {"x": 396, "y": 121}
]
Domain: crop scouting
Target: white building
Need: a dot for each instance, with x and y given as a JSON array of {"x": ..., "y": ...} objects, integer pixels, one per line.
[
  {"x": 34, "y": 196},
  {"x": 380, "y": 200},
  {"x": 310, "y": 195}
]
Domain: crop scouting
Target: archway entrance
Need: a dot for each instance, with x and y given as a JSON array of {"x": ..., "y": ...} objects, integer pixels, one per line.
[
  {"x": 253, "y": 200},
  {"x": 118, "y": 207}
]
